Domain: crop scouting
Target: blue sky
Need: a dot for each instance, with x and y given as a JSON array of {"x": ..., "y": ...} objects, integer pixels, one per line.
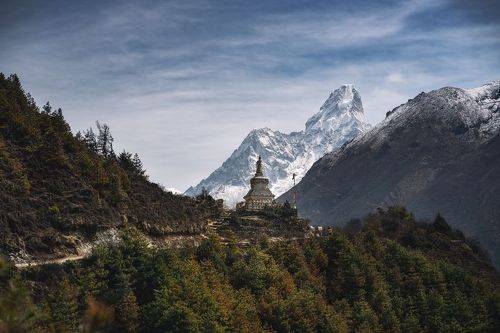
[{"x": 183, "y": 82}]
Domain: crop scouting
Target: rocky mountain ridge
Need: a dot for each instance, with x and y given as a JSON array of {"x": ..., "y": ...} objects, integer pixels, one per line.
[{"x": 439, "y": 152}]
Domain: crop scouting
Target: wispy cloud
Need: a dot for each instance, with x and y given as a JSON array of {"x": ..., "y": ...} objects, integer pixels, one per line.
[{"x": 182, "y": 82}]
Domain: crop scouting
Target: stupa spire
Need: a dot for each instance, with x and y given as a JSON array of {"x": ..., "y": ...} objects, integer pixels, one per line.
[{"x": 258, "y": 172}]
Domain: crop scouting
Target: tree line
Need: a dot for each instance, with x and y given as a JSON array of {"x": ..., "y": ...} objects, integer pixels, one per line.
[{"x": 350, "y": 281}]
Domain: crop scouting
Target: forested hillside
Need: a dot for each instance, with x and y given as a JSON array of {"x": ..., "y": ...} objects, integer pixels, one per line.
[
  {"x": 387, "y": 274},
  {"x": 57, "y": 189}
]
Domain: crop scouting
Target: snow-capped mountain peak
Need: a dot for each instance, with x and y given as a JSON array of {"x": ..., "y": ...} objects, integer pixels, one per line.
[
  {"x": 340, "y": 119},
  {"x": 343, "y": 102}
]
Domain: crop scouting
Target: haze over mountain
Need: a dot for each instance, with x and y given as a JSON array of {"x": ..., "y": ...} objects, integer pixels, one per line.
[
  {"x": 439, "y": 152},
  {"x": 340, "y": 119}
]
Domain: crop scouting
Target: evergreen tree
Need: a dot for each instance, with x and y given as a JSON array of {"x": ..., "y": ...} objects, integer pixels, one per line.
[
  {"x": 79, "y": 136},
  {"x": 138, "y": 165},
  {"x": 130, "y": 163},
  {"x": 15, "y": 80},
  {"x": 104, "y": 140},
  {"x": 125, "y": 160},
  {"x": 47, "y": 109},
  {"x": 90, "y": 139},
  {"x": 63, "y": 307},
  {"x": 58, "y": 113},
  {"x": 17, "y": 312},
  {"x": 127, "y": 313}
]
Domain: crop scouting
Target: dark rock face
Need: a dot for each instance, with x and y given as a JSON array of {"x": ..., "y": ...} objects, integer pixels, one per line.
[{"x": 440, "y": 152}]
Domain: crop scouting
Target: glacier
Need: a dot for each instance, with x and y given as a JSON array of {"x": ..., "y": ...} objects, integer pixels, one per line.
[{"x": 340, "y": 119}]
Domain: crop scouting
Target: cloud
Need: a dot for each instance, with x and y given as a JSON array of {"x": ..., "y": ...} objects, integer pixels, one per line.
[
  {"x": 183, "y": 82},
  {"x": 396, "y": 77}
]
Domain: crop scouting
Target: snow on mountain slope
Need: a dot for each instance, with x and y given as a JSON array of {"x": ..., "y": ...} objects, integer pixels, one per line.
[
  {"x": 488, "y": 97},
  {"x": 458, "y": 108},
  {"x": 173, "y": 190},
  {"x": 439, "y": 152},
  {"x": 340, "y": 119}
]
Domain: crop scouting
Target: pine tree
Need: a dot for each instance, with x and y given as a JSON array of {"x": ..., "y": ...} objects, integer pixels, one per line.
[
  {"x": 58, "y": 113},
  {"x": 47, "y": 109},
  {"x": 90, "y": 139},
  {"x": 125, "y": 160},
  {"x": 63, "y": 307},
  {"x": 79, "y": 136},
  {"x": 15, "y": 80},
  {"x": 138, "y": 165},
  {"x": 17, "y": 311},
  {"x": 104, "y": 140},
  {"x": 127, "y": 313}
]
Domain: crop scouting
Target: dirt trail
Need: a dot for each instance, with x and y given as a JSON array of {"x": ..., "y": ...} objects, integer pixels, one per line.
[
  {"x": 86, "y": 249},
  {"x": 170, "y": 241},
  {"x": 50, "y": 261}
]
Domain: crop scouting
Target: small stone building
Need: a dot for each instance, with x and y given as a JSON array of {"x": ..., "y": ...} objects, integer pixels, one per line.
[{"x": 259, "y": 194}]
